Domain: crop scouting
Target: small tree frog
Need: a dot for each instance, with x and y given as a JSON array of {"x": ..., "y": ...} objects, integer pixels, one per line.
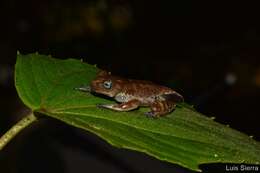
[{"x": 132, "y": 93}]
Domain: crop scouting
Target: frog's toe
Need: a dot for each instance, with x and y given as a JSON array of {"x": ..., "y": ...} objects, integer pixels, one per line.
[
  {"x": 106, "y": 106},
  {"x": 150, "y": 114},
  {"x": 99, "y": 105}
]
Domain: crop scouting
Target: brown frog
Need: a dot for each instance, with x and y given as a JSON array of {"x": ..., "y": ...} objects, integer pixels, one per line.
[{"x": 132, "y": 93}]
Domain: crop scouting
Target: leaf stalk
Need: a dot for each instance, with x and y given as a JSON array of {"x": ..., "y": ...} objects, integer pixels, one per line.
[{"x": 18, "y": 127}]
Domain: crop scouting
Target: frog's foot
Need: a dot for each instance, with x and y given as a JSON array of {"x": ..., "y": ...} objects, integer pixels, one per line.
[
  {"x": 127, "y": 106},
  {"x": 151, "y": 114},
  {"x": 99, "y": 105},
  {"x": 107, "y": 106},
  {"x": 83, "y": 88}
]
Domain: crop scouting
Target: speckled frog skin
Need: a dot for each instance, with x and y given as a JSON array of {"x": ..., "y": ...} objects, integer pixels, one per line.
[{"x": 130, "y": 94}]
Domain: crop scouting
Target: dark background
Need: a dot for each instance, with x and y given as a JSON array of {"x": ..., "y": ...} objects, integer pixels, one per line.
[{"x": 209, "y": 52}]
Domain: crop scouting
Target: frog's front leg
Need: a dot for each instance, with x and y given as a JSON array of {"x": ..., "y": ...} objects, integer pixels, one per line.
[
  {"x": 127, "y": 106},
  {"x": 160, "y": 108}
]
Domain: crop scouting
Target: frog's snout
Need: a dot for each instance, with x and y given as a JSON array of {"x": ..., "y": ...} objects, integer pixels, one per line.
[{"x": 83, "y": 88}]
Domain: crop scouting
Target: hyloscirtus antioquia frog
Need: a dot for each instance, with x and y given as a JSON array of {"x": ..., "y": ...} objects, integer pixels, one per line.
[{"x": 132, "y": 93}]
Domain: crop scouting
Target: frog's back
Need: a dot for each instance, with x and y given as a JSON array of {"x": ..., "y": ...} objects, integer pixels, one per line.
[{"x": 145, "y": 91}]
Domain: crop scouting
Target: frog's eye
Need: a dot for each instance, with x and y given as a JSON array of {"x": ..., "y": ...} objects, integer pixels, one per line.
[{"x": 107, "y": 84}]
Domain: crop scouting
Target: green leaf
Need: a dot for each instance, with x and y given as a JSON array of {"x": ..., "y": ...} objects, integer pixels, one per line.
[{"x": 184, "y": 137}]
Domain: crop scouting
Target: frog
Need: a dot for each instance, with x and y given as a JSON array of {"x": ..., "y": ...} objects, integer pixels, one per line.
[{"x": 131, "y": 94}]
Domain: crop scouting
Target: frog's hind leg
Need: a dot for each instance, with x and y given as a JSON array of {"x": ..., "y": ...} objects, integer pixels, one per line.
[
  {"x": 164, "y": 104},
  {"x": 127, "y": 106},
  {"x": 160, "y": 108}
]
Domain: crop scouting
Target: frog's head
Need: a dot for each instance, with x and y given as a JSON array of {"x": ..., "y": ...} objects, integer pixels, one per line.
[{"x": 106, "y": 84}]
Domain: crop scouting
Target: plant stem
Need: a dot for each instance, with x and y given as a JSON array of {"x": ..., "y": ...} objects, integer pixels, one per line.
[{"x": 19, "y": 126}]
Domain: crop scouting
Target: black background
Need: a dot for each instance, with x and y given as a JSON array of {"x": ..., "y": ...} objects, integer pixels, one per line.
[{"x": 196, "y": 48}]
